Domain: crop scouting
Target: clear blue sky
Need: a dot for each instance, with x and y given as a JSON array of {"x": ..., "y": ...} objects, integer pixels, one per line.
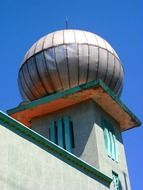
[{"x": 22, "y": 22}]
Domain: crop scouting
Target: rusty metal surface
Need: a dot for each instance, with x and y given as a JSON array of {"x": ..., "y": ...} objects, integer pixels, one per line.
[{"x": 68, "y": 58}]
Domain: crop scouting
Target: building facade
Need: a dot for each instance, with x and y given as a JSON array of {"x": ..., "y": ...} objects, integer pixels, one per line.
[{"x": 67, "y": 133}]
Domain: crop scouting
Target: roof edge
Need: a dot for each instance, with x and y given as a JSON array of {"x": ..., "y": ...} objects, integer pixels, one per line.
[
  {"x": 120, "y": 103},
  {"x": 52, "y": 148},
  {"x": 92, "y": 84}
]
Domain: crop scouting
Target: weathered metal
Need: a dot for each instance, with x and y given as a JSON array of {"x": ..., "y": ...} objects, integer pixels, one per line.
[{"x": 68, "y": 58}]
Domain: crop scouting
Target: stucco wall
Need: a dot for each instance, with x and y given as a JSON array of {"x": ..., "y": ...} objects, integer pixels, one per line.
[
  {"x": 25, "y": 166},
  {"x": 83, "y": 118},
  {"x": 106, "y": 164},
  {"x": 89, "y": 139}
]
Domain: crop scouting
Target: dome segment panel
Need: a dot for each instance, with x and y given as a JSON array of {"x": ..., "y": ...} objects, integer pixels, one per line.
[
  {"x": 30, "y": 53},
  {"x": 93, "y": 63},
  {"x": 108, "y": 47},
  {"x": 30, "y": 83},
  {"x": 39, "y": 45},
  {"x": 100, "y": 42},
  {"x": 102, "y": 64},
  {"x": 43, "y": 72},
  {"x": 73, "y": 63},
  {"x": 91, "y": 38},
  {"x": 52, "y": 69},
  {"x": 23, "y": 95},
  {"x": 120, "y": 82},
  {"x": 23, "y": 86},
  {"x": 115, "y": 53},
  {"x": 80, "y": 37},
  {"x": 48, "y": 42},
  {"x": 35, "y": 76},
  {"x": 58, "y": 38},
  {"x": 83, "y": 63},
  {"x": 69, "y": 37},
  {"x": 116, "y": 74},
  {"x": 62, "y": 65},
  {"x": 110, "y": 68}
]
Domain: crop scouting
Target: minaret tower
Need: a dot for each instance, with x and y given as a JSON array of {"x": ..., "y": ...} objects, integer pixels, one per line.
[{"x": 70, "y": 82}]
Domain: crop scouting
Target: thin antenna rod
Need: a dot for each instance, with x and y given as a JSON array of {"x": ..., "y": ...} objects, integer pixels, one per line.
[{"x": 67, "y": 23}]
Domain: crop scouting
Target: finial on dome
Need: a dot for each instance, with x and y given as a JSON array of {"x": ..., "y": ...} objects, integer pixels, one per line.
[{"x": 66, "y": 22}]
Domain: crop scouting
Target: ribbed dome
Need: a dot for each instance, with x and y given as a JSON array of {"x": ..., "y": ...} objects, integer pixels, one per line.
[{"x": 68, "y": 58}]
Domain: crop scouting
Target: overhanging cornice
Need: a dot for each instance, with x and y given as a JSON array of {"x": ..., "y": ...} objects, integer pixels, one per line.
[{"x": 95, "y": 90}]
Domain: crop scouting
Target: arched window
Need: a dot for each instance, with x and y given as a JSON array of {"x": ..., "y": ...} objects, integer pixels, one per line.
[
  {"x": 61, "y": 133},
  {"x": 110, "y": 140}
]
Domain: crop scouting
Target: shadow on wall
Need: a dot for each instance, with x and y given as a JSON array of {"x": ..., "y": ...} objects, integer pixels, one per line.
[
  {"x": 120, "y": 185},
  {"x": 125, "y": 178},
  {"x": 83, "y": 140}
]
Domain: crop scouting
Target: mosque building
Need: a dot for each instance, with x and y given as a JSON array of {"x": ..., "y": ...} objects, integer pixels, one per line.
[{"x": 66, "y": 134}]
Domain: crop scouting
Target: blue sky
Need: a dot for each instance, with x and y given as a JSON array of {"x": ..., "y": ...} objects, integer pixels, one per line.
[{"x": 119, "y": 22}]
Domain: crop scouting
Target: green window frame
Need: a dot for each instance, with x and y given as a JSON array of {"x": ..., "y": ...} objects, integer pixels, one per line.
[
  {"x": 53, "y": 132},
  {"x": 110, "y": 140},
  {"x": 61, "y": 133},
  {"x": 116, "y": 181}
]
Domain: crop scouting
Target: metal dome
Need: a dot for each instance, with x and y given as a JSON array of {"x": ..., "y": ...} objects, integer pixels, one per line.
[{"x": 68, "y": 58}]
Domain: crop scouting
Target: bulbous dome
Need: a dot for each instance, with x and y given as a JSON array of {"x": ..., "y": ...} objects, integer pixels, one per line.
[{"x": 65, "y": 59}]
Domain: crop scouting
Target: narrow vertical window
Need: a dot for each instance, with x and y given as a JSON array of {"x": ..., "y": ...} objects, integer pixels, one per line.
[
  {"x": 68, "y": 134},
  {"x": 110, "y": 140},
  {"x": 116, "y": 181},
  {"x": 112, "y": 147},
  {"x": 116, "y": 154},
  {"x": 53, "y": 132},
  {"x": 60, "y": 129},
  {"x": 72, "y": 133},
  {"x": 61, "y": 133},
  {"x": 107, "y": 141}
]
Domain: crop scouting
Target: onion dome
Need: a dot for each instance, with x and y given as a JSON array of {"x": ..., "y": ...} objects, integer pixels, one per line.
[{"x": 65, "y": 59}]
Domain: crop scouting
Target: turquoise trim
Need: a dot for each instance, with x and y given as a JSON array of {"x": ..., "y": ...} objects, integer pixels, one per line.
[
  {"x": 53, "y": 135},
  {"x": 61, "y": 133},
  {"x": 68, "y": 135},
  {"x": 60, "y": 130},
  {"x": 110, "y": 140},
  {"x": 116, "y": 181},
  {"x": 116, "y": 153},
  {"x": 52, "y": 148},
  {"x": 112, "y": 151},
  {"x": 106, "y": 140},
  {"x": 72, "y": 134},
  {"x": 109, "y": 144},
  {"x": 92, "y": 84}
]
